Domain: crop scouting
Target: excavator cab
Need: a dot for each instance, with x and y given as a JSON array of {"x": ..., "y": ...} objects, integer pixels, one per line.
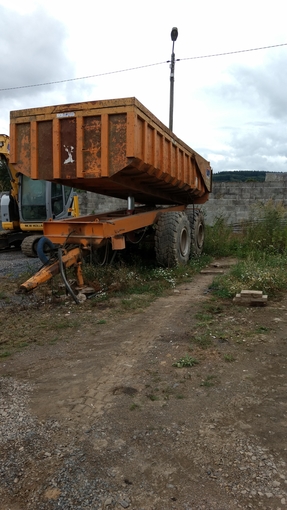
[
  {"x": 27, "y": 203},
  {"x": 41, "y": 200}
]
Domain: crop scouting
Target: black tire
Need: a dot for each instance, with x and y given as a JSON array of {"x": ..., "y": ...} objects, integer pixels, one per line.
[
  {"x": 172, "y": 239},
  {"x": 29, "y": 246},
  {"x": 197, "y": 231},
  {"x": 45, "y": 249}
]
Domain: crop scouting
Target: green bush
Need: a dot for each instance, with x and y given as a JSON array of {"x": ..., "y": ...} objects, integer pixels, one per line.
[
  {"x": 261, "y": 248},
  {"x": 267, "y": 232},
  {"x": 220, "y": 240}
]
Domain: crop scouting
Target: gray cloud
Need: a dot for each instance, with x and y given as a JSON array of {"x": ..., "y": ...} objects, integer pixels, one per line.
[
  {"x": 261, "y": 88},
  {"x": 32, "y": 52},
  {"x": 256, "y": 100},
  {"x": 253, "y": 148}
]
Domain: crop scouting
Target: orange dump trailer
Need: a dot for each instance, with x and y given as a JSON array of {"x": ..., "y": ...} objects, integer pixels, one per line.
[
  {"x": 113, "y": 147},
  {"x": 120, "y": 149}
]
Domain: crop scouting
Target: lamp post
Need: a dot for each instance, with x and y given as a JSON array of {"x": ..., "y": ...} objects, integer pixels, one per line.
[{"x": 173, "y": 35}]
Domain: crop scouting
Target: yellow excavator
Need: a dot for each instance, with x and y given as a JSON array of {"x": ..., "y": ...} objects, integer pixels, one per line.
[{"x": 29, "y": 203}]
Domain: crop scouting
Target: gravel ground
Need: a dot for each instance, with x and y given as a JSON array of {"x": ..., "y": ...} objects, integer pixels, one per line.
[
  {"x": 101, "y": 419},
  {"x": 14, "y": 263}
]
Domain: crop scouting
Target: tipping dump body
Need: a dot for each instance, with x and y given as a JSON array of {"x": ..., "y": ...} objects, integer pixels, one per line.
[{"x": 113, "y": 147}]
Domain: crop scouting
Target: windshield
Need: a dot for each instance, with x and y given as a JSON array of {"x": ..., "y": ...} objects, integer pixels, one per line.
[
  {"x": 57, "y": 199},
  {"x": 33, "y": 200}
]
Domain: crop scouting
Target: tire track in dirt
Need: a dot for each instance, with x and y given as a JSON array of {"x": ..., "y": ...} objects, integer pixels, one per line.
[{"x": 140, "y": 331}]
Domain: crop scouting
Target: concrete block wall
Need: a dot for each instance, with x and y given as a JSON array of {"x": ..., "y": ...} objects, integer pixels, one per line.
[
  {"x": 230, "y": 200},
  {"x": 93, "y": 203},
  {"x": 235, "y": 202}
]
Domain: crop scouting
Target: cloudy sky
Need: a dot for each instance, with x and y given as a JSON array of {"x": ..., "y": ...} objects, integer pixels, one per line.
[{"x": 230, "y": 108}]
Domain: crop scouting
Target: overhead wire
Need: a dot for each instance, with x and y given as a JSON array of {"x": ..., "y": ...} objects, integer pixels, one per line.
[{"x": 141, "y": 67}]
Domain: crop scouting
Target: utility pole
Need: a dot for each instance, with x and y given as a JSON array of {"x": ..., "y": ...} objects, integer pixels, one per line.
[{"x": 174, "y": 34}]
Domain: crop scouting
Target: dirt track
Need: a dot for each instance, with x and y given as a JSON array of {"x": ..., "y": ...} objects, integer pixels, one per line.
[{"x": 100, "y": 418}]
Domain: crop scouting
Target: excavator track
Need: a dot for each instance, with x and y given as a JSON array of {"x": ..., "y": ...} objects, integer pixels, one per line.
[{"x": 29, "y": 246}]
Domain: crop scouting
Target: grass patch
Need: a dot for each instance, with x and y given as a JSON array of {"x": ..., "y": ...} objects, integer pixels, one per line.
[
  {"x": 129, "y": 278},
  {"x": 213, "y": 309},
  {"x": 153, "y": 397},
  {"x": 53, "y": 341},
  {"x": 134, "y": 406},
  {"x": 65, "y": 324},
  {"x": 23, "y": 344},
  {"x": 208, "y": 381},
  {"x": 262, "y": 330},
  {"x": 220, "y": 240},
  {"x": 204, "y": 318},
  {"x": 204, "y": 341},
  {"x": 261, "y": 247},
  {"x": 229, "y": 358},
  {"x": 5, "y": 354},
  {"x": 268, "y": 273},
  {"x": 185, "y": 361}
]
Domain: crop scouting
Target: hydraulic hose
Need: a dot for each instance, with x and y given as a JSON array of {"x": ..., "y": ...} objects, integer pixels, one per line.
[
  {"x": 62, "y": 271},
  {"x": 43, "y": 244}
]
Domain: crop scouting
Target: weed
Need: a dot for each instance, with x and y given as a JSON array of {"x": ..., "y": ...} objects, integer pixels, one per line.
[
  {"x": 220, "y": 241},
  {"x": 134, "y": 406},
  {"x": 186, "y": 361},
  {"x": 229, "y": 358},
  {"x": 99, "y": 298},
  {"x": 101, "y": 321},
  {"x": 65, "y": 324},
  {"x": 5, "y": 354},
  {"x": 53, "y": 341},
  {"x": 153, "y": 397},
  {"x": 208, "y": 381},
  {"x": 203, "y": 341},
  {"x": 221, "y": 336},
  {"x": 140, "y": 276},
  {"x": 132, "y": 303},
  {"x": 180, "y": 397},
  {"x": 156, "y": 377},
  {"x": 213, "y": 309},
  {"x": 23, "y": 344},
  {"x": 167, "y": 392},
  {"x": 267, "y": 274},
  {"x": 204, "y": 318},
  {"x": 262, "y": 329}
]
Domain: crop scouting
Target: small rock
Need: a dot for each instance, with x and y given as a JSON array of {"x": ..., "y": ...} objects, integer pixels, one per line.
[
  {"x": 124, "y": 503},
  {"x": 108, "y": 502},
  {"x": 81, "y": 297}
]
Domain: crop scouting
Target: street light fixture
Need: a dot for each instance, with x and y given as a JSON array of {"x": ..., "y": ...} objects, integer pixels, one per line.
[{"x": 173, "y": 35}]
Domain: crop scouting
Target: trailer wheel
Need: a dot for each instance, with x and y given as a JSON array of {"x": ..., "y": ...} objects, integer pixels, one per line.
[
  {"x": 172, "y": 239},
  {"x": 197, "y": 228},
  {"x": 45, "y": 249}
]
